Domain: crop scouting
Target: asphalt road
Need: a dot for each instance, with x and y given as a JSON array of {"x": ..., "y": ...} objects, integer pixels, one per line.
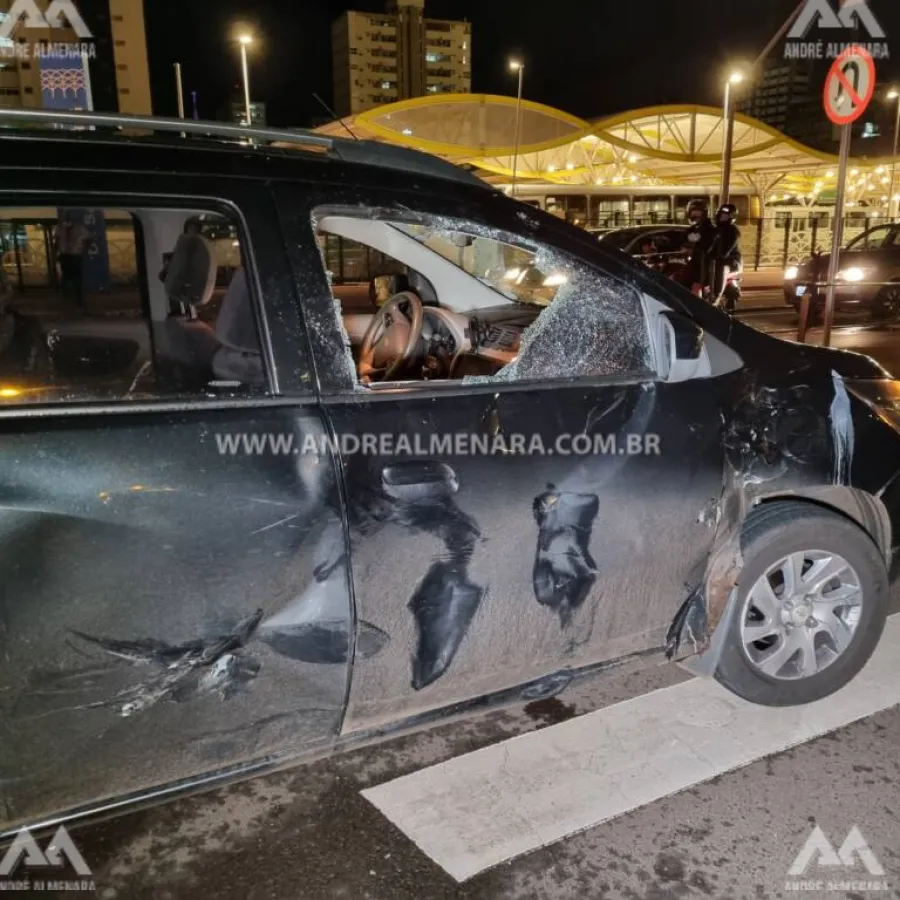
[
  {"x": 881, "y": 343},
  {"x": 310, "y": 834}
]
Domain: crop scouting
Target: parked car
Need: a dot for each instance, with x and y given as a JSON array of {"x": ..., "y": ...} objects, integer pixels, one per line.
[
  {"x": 318, "y": 518},
  {"x": 665, "y": 248},
  {"x": 868, "y": 279},
  {"x": 662, "y": 247}
]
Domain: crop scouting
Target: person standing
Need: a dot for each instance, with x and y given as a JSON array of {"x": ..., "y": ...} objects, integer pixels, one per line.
[
  {"x": 701, "y": 237},
  {"x": 726, "y": 254},
  {"x": 71, "y": 243}
]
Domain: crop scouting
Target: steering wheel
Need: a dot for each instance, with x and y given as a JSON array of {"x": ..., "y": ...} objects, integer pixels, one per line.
[{"x": 391, "y": 338}]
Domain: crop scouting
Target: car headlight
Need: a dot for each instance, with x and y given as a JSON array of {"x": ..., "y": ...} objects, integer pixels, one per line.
[
  {"x": 853, "y": 274},
  {"x": 791, "y": 274}
]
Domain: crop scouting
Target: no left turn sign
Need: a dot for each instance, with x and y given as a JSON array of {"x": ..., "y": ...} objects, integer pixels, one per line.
[{"x": 850, "y": 85}]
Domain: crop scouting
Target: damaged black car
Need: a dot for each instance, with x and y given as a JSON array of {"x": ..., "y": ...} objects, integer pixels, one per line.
[{"x": 327, "y": 439}]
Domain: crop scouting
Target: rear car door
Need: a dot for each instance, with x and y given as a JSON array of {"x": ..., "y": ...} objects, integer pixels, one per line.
[
  {"x": 174, "y": 601},
  {"x": 491, "y": 569}
]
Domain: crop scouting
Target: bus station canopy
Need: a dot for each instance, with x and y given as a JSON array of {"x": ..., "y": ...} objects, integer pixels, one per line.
[{"x": 660, "y": 145}]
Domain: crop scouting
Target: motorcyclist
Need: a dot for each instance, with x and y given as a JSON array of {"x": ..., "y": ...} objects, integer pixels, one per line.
[
  {"x": 726, "y": 255},
  {"x": 701, "y": 237}
]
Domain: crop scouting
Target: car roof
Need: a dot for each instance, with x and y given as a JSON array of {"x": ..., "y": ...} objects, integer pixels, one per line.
[{"x": 173, "y": 144}]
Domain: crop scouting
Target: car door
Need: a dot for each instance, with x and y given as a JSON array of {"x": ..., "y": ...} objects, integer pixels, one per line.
[
  {"x": 175, "y": 601},
  {"x": 490, "y": 569}
]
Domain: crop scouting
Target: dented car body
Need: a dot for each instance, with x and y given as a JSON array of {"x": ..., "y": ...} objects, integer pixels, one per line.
[{"x": 175, "y": 611}]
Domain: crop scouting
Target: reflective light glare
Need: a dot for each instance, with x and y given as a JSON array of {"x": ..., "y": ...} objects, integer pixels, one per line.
[
  {"x": 512, "y": 274},
  {"x": 829, "y": 174},
  {"x": 791, "y": 273},
  {"x": 555, "y": 279},
  {"x": 854, "y": 273}
]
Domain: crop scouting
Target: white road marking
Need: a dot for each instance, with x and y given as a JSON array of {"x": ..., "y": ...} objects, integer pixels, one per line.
[{"x": 477, "y": 810}]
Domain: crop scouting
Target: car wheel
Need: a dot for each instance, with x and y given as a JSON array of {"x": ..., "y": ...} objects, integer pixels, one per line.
[
  {"x": 812, "y": 603},
  {"x": 886, "y": 306}
]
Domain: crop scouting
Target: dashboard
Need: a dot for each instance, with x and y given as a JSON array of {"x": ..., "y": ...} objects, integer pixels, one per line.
[{"x": 454, "y": 345}]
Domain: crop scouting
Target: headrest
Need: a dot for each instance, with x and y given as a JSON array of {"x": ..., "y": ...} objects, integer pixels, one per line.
[
  {"x": 191, "y": 277},
  {"x": 236, "y": 326}
]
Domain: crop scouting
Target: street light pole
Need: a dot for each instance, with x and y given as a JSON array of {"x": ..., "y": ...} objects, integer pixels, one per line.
[
  {"x": 728, "y": 143},
  {"x": 245, "y": 40},
  {"x": 519, "y": 67},
  {"x": 892, "y": 209},
  {"x": 180, "y": 88}
]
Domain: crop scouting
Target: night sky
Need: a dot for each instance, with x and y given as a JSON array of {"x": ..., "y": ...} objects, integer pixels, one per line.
[{"x": 590, "y": 59}]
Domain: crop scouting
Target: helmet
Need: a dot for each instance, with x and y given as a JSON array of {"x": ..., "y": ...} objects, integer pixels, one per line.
[
  {"x": 695, "y": 207},
  {"x": 727, "y": 213}
]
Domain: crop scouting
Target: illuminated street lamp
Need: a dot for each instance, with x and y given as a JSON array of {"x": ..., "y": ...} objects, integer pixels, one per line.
[
  {"x": 516, "y": 65},
  {"x": 245, "y": 40},
  {"x": 894, "y": 94},
  {"x": 734, "y": 78}
]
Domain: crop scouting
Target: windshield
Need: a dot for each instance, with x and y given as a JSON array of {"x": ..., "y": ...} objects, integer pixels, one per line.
[
  {"x": 872, "y": 240},
  {"x": 517, "y": 273}
]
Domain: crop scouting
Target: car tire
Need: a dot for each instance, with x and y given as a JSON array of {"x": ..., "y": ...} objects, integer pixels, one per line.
[
  {"x": 886, "y": 305},
  {"x": 777, "y": 532}
]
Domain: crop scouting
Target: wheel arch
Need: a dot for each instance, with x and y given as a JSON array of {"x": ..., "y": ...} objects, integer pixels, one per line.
[
  {"x": 866, "y": 510},
  {"x": 709, "y": 610}
]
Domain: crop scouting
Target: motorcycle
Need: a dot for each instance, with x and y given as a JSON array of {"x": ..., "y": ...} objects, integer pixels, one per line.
[
  {"x": 674, "y": 265},
  {"x": 731, "y": 293}
]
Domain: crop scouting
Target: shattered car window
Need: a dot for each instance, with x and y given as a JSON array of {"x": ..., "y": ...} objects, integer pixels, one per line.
[
  {"x": 511, "y": 270},
  {"x": 595, "y": 327}
]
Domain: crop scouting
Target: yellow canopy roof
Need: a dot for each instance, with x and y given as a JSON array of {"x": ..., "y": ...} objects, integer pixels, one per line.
[{"x": 660, "y": 145}]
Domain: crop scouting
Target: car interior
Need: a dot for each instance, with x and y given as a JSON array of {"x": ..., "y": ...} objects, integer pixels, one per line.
[
  {"x": 124, "y": 304},
  {"x": 449, "y": 300}
]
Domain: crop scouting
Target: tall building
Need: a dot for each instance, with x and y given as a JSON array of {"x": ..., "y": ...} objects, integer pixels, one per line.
[
  {"x": 786, "y": 97},
  {"x": 784, "y": 88},
  {"x": 384, "y": 57},
  {"x": 35, "y": 73}
]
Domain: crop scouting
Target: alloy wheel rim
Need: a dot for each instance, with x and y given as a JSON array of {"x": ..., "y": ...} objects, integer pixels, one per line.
[
  {"x": 890, "y": 304},
  {"x": 801, "y": 615}
]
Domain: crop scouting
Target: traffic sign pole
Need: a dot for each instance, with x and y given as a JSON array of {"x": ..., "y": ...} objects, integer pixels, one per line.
[
  {"x": 849, "y": 88},
  {"x": 837, "y": 238}
]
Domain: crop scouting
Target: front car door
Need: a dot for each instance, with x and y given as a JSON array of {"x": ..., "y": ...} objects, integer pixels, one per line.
[
  {"x": 492, "y": 568},
  {"x": 175, "y": 601}
]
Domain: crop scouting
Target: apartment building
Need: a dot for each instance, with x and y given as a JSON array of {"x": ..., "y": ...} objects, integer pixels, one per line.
[
  {"x": 42, "y": 67},
  {"x": 385, "y": 57}
]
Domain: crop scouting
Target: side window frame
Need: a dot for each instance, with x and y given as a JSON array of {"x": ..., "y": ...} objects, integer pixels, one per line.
[
  {"x": 297, "y": 204},
  {"x": 165, "y": 198}
]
